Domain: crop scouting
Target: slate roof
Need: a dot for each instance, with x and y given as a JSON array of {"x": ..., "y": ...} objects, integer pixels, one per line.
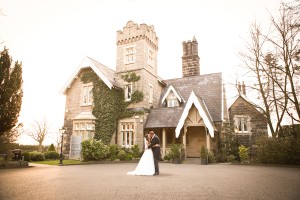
[
  {"x": 208, "y": 89},
  {"x": 164, "y": 117},
  {"x": 106, "y": 71}
]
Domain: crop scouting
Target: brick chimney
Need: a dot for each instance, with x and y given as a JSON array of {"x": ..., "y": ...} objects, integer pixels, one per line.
[{"x": 190, "y": 58}]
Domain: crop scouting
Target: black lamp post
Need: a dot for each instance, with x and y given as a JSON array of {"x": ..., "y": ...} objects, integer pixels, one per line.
[{"x": 62, "y": 131}]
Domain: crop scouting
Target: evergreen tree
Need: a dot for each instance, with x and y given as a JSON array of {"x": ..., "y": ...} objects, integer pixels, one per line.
[
  {"x": 51, "y": 148},
  {"x": 11, "y": 92}
]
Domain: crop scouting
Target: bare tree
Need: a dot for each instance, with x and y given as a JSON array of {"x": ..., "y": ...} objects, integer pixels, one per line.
[
  {"x": 39, "y": 131},
  {"x": 273, "y": 59}
]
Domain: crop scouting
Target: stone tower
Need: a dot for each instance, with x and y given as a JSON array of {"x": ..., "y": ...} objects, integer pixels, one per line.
[
  {"x": 190, "y": 58},
  {"x": 137, "y": 47}
]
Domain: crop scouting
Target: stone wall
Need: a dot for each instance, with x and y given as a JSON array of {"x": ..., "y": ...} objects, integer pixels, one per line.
[{"x": 258, "y": 123}]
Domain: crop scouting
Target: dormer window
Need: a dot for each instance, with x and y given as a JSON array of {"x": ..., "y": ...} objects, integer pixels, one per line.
[
  {"x": 171, "y": 98},
  {"x": 173, "y": 102}
]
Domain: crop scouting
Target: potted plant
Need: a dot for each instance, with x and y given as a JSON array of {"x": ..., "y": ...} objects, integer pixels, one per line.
[
  {"x": 203, "y": 155},
  {"x": 175, "y": 153}
]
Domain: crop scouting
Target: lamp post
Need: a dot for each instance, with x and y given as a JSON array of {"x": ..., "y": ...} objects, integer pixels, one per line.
[{"x": 62, "y": 131}]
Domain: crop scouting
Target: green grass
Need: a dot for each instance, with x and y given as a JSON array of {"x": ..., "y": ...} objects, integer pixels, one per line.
[{"x": 56, "y": 162}]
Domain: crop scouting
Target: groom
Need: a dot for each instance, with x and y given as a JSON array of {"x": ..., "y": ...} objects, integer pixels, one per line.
[{"x": 155, "y": 149}]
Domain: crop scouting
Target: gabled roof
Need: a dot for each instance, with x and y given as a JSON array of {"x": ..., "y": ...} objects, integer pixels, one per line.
[
  {"x": 208, "y": 87},
  {"x": 177, "y": 94},
  {"x": 203, "y": 112},
  {"x": 105, "y": 74},
  {"x": 247, "y": 100}
]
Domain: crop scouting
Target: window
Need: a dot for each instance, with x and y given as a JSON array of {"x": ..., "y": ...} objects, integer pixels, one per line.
[
  {"x": 128, "y": 92},
  {"x": 129, "y": 56},
  {"x": 242, "y": 123},
  {"x": 150, "y": 93},
  {"x": 151, "y": 58},
  {"x": 172, "y": 102},
  {"x": 87, "y": 95},
  {"x": 127, "y": 133},
  {"x": 149, "y": 55},
  {"x": 84, "y": 129}
]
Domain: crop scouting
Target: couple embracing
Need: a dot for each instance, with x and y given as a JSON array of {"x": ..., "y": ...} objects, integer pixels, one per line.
[{"x": 148, "y": 164}]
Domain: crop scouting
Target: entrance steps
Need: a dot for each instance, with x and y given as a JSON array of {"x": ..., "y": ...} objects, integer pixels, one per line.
[{"x": 191, "y": 161}]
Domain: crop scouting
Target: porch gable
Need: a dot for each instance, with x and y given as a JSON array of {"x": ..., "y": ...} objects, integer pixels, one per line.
[{"x": 203, "y": 112}]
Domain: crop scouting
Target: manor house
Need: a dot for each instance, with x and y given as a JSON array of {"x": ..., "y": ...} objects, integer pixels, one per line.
[{"x": 190, "y": 110}]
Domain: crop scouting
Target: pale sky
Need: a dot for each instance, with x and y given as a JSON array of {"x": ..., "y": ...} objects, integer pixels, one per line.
[{"x": 51, "y": 37}]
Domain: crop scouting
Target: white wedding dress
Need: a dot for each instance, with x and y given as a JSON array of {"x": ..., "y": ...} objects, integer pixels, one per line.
[{"x": 145, "y": 166}]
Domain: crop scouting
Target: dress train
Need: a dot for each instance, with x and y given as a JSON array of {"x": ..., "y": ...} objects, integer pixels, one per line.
[{"x": 146, "y": 165}]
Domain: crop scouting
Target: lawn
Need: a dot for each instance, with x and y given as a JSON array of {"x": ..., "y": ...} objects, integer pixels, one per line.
[{"x": 56, "y": 162}]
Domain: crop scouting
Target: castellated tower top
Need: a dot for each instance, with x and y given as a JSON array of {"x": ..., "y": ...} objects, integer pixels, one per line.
[{"x": 133, "y": 32}]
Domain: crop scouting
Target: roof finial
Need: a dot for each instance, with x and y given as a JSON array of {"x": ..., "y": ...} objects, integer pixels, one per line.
[{"x": 194, "y": 38}]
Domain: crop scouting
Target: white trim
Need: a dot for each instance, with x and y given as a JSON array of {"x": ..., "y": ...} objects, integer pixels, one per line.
[
  {"x": 171, "y": 88},
  {"x": 206, "y": 118},
  {"x": 86, "y": 62}
]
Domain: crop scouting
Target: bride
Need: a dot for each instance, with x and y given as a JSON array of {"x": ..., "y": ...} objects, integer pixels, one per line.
[{"x": 146, "y": 164}]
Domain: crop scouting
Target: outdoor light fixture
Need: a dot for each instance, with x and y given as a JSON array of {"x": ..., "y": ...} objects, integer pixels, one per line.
[
  {"x": 236, "y": 130},
  {"x": 62, "y": 132}
]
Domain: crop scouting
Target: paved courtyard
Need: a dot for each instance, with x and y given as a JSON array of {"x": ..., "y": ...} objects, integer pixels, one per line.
[{"x": 183, "y": 181}]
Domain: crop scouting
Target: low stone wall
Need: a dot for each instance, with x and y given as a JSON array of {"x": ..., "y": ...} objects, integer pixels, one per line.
[{"x": 13, "y": 164}]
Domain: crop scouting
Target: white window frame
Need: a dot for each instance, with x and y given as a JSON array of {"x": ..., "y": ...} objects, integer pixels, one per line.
[
  {"x": 242, "y": 123},
  {"x": 150, "y": 56},
  {"x": 150, "y": 93},
  {"x": 87, "y": 94},
  {"x": 129, "y": 54},
  {"x": 127, "y": 134},
  {"x": 85, "y": 129},
  {"x": 172, "y": 102},
  {"x": 128, "y": 91}
]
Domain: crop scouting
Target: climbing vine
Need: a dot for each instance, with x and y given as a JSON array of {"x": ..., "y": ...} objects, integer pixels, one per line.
[{"x": 110, "y": 105}]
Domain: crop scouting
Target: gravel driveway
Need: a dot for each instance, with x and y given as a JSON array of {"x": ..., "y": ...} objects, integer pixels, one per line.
[{"x": 176, "y": 181}]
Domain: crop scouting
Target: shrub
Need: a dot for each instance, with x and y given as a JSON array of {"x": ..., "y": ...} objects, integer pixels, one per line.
[
  {"x": 37, "y": 156},
  {"x": 135, "y": 151},
  {"x": 231, "y": 158},
  {"x": 100, "y": 150},
  {"x": 51, "y": 148},
  {"x": 167, "y": 157},
  {"x": 113, "y": 151},
  {"x": 52, "y": 155},
  {"x": 283, "y": 150},
  {"x": 203, "y": 152},
  {"x": 211, "y": 157},
  {"x": 86, "y": 150},
  {"x": 128, "y": 156},
  {"x": 94, "y": 150},
  {"x": 122, "y": 154},
  {"x": 243, "y": 153},
  {"x": 26, "y": 156},
  {"x": 175, "y": 151}
]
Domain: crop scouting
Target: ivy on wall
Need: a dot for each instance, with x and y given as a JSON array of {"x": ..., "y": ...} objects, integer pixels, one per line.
[{"x": 109, "y": 105}]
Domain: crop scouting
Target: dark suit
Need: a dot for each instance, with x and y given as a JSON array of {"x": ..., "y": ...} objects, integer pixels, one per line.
[{"x": 156, "y": 151}]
